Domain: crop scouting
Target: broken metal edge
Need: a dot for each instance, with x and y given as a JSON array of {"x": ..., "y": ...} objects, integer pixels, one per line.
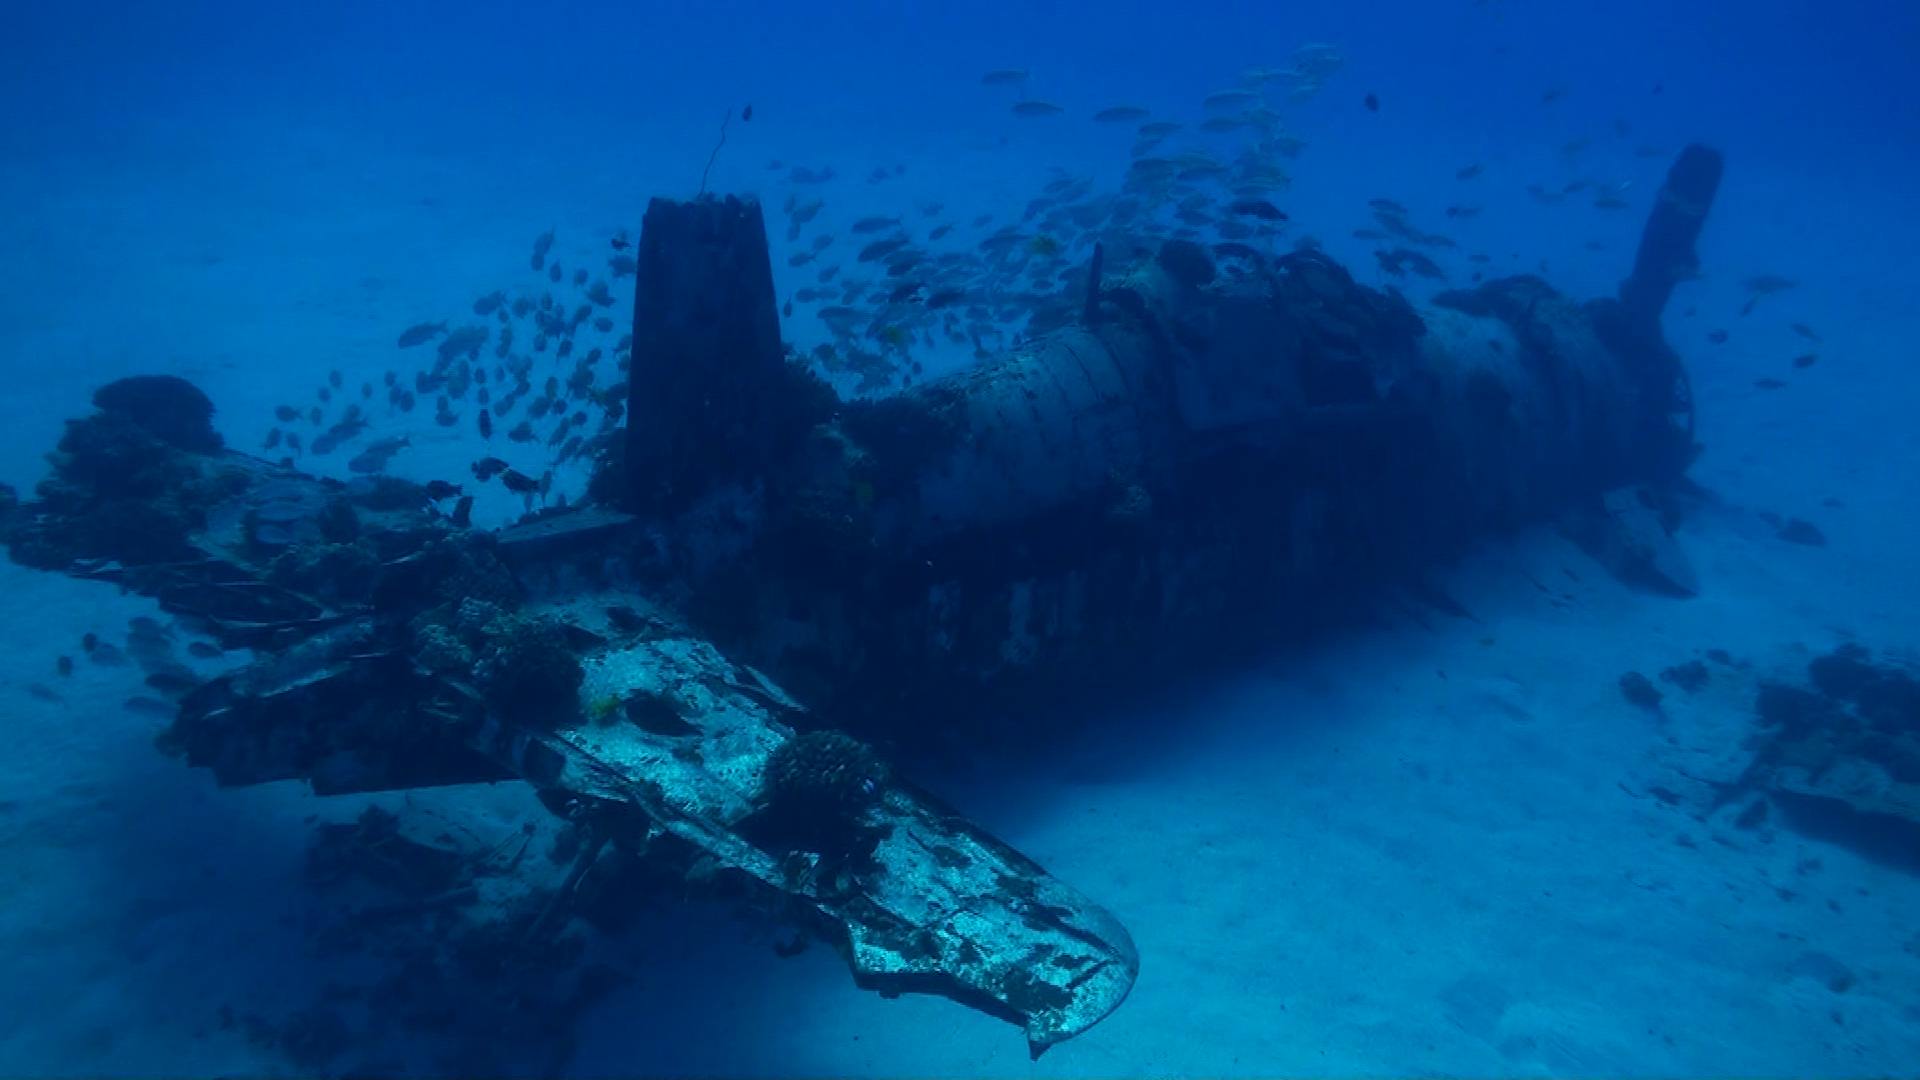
[{"x": 969, "y": 967}]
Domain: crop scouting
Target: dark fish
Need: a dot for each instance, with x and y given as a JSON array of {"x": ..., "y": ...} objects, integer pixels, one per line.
[
  {"x": 173, "y": 683},
  {"x": 490, "y": 303},
  {"x": 107, "y": 654},
  {"x": 1229, "y": 99},
  {"x": 1372, "y": 102},
  {"x": 1398, "y": 261},
  {"x": 349, "y": 425},
  {"x": 1468, "y": 172},
  {"x": 205, "y": 650},
  {"x": 376, "y": 456},
  {"x": 939, "y": 231},
  {"x": 1033, "y": 107},
  {"x": 273, "y": 438},
  {"x": 421, "y": 333},
  {"x": 1120, "y": 114},
  {"x": 465, "y": 341},
  {"x": 518, "y": 482},
  {"x": 1767, "y": 384},
  {"x": 880, "y": 249},
  {"x": 620, "y": 243},
  {"x": 746, "y": 114},
  {"x": 1004, "y": 77},
  {"x": 486, "y": 424},
  {"x": 487, "y": 468},
  {"x": 1762, "y": 284},
  {"x": 463, "y": 511},
  {"x": 1806, "y": 360},
  {"x": 441, "y": 489},
  {"x": 1259, "y": 208},
  {"x": 541, "y": 245},
  {"x": 1718, "y": 337},
  {"x": 874, "y": 224},
  {"x": 148, "y": 706},
  {"x": 44, "y": 693},
  {"x": 1804, "y": 331}
]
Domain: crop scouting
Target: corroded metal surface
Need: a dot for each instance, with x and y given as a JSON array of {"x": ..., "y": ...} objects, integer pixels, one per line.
[
  {"x": 663, "y": 753},
  {"x": 1208, "y": 461}
]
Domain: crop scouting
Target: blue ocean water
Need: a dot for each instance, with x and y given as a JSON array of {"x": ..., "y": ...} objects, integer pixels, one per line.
[{"x": 1398, "y": 850}]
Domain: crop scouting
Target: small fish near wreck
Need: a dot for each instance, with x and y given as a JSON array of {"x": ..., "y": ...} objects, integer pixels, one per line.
[
  {"x": 1256, "y": 208},
  {"x": 421, "y": 333},
  {"x": 378, "y": 454}
]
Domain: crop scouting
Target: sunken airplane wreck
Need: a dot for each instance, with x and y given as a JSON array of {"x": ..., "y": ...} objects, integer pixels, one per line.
[{"x": 675, "y": 665}]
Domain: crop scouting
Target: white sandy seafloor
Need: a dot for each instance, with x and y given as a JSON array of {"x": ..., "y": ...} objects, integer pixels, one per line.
[{"x": 1419, "y": 849}]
